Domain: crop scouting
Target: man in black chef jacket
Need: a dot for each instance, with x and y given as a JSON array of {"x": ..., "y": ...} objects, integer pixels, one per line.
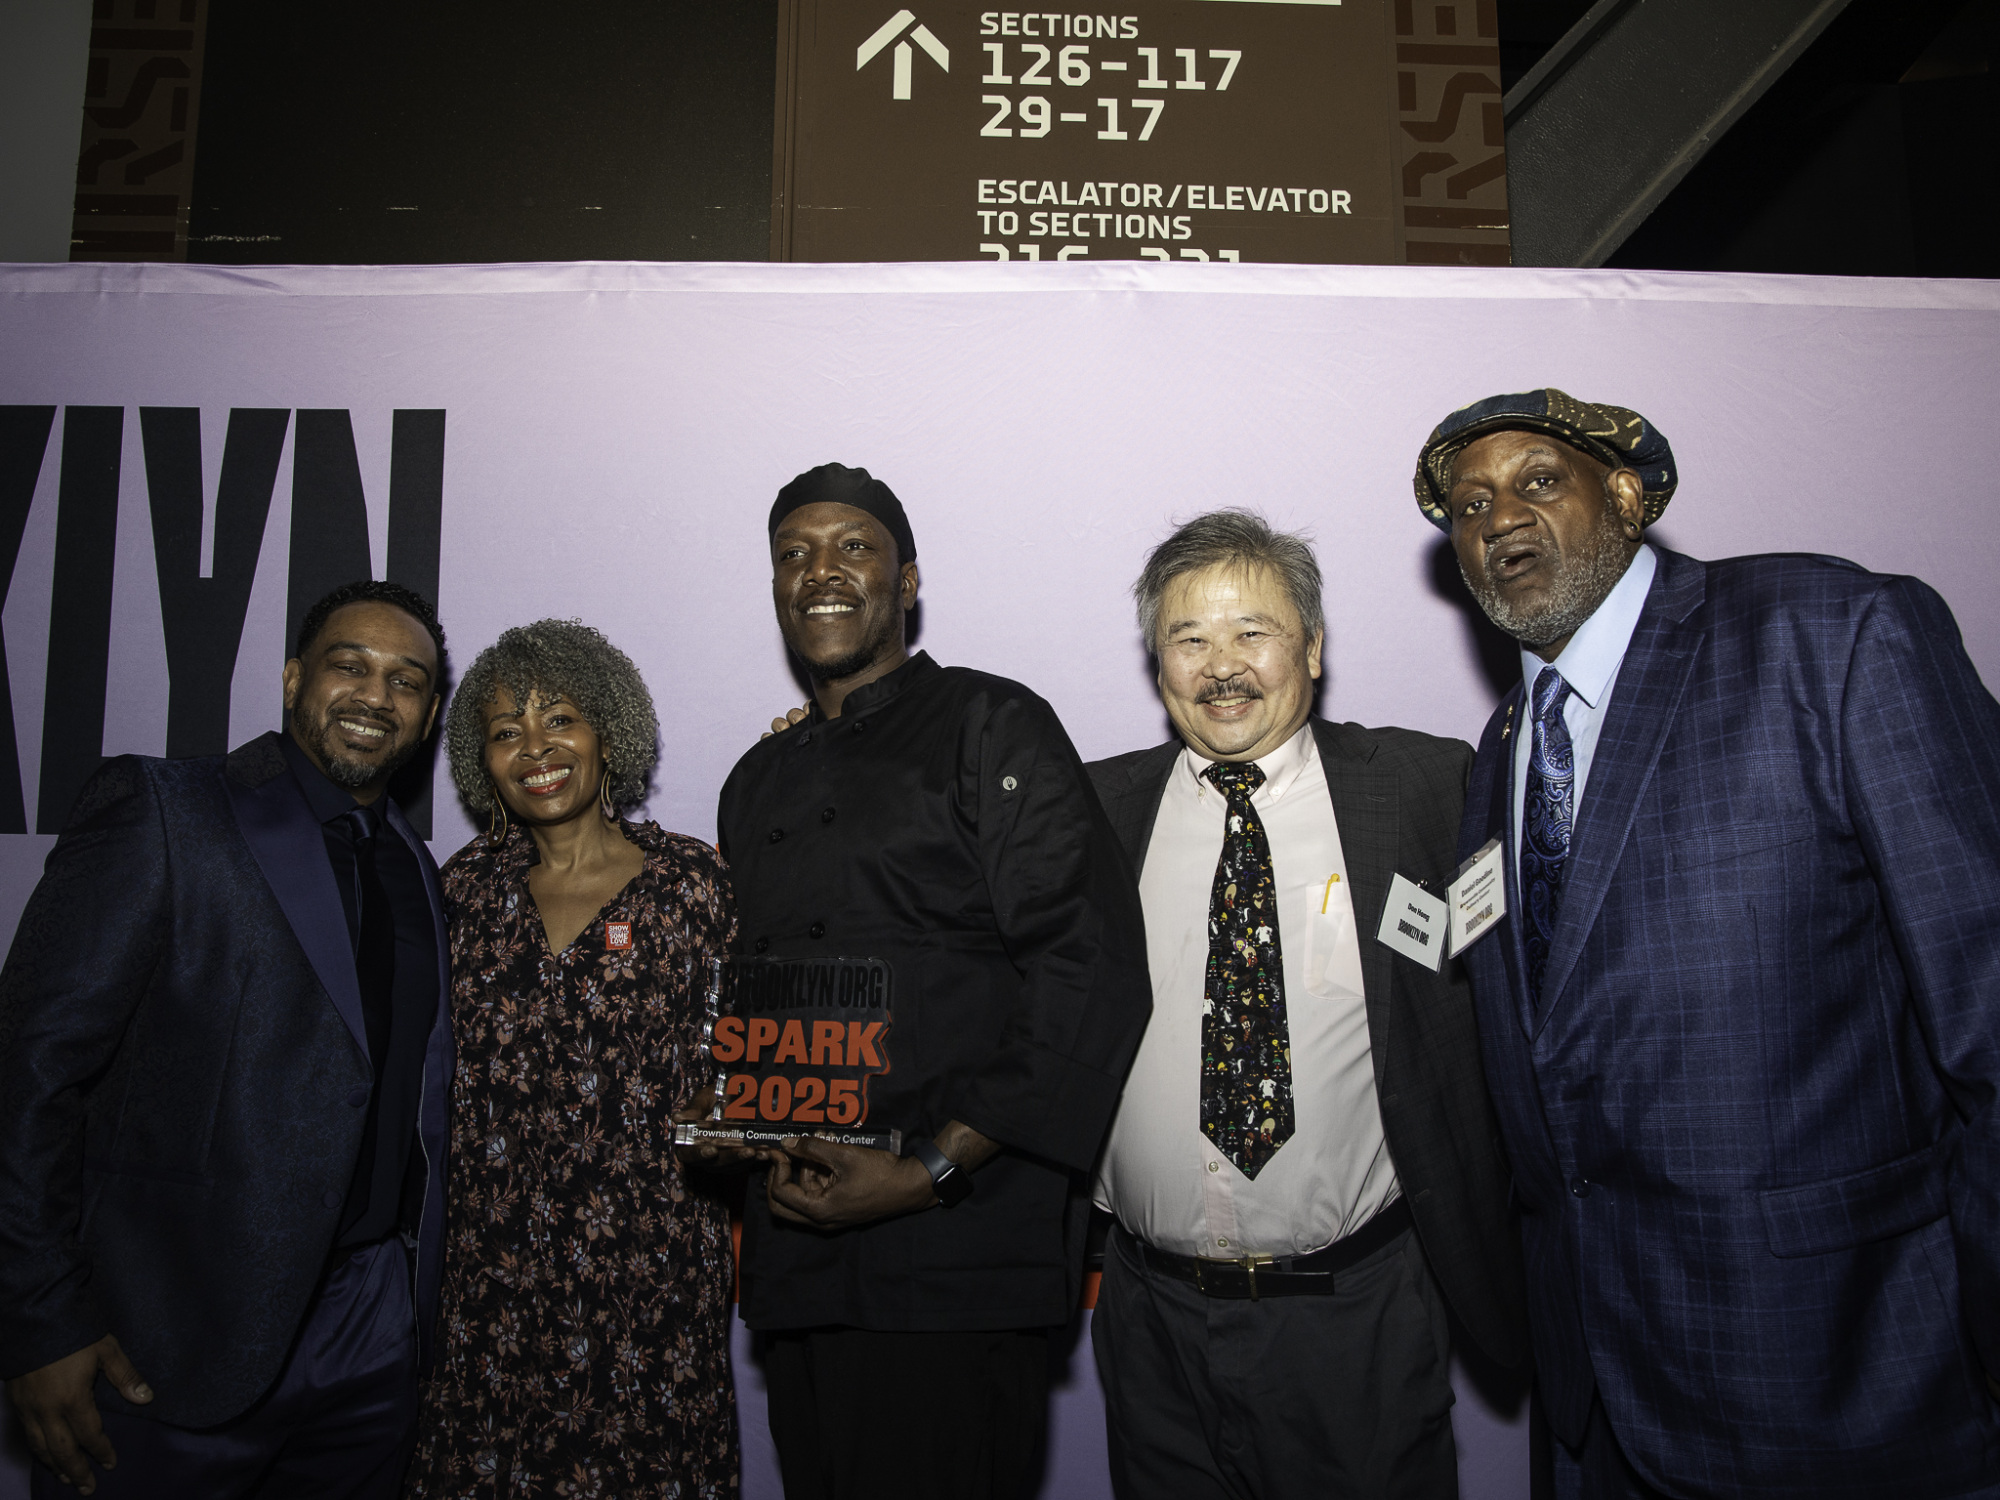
[{"x": 936, "y": 819}]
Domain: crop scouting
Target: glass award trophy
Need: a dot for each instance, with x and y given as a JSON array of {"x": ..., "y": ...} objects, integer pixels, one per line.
[{"x": 794, "y": 1044}]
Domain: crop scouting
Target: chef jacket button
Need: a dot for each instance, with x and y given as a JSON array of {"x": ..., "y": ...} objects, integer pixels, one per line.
[
  {"x": 356, "y": 1098},
  {"x": 776, "y": 834},
  {"x": 762, "y": 944},
  {"x": 1580, "y": 1186},
  {"x": 818, "y": 930},
  {"x": 331, "y": 1199},
  {"x": 1008, "y": 783},
  {"x": 826, "y": 815},
  {"x": 1215, "y": 1166}
]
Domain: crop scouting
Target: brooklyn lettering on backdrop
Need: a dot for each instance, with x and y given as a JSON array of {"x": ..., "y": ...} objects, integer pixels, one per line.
[{"x": 201, "y": 614}]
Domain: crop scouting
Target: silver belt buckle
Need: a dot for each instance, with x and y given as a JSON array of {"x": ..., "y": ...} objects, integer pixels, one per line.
[{"x": 1246, "y": 1263}]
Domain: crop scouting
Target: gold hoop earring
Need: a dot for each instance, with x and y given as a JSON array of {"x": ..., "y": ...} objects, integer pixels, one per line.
[
  {"x": 604, "y": 794},
  {"x": 496, "y": 820}
]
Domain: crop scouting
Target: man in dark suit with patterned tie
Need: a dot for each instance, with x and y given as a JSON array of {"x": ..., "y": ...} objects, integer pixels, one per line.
[
  {"x": 1742, "y": 1019},
  {"x": 224, "y": 1061},
  {"x": 1304, "y": 1164}
]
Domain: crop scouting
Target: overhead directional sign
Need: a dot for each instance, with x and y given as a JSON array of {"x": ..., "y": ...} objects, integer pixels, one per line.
[{"x": 1203, "y": 130}]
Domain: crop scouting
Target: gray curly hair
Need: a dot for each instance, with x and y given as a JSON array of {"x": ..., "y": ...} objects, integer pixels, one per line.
[{"x": 541, "y": 662}]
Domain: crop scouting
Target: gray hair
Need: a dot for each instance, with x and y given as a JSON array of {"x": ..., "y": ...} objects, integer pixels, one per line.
[
  {"x": 542, "y": 662},
  {"x": 1237, "y": 538}
]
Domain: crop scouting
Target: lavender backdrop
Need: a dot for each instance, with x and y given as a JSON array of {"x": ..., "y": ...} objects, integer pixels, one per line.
[{"x": 615, "y": 433}]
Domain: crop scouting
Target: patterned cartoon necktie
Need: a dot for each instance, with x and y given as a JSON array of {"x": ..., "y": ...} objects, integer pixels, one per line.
[
  {"x": 1246, "y": 1046},
  {"x": 1547, "y": 812}
]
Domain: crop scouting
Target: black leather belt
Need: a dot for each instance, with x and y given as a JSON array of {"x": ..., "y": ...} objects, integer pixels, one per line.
[{"x": 1258, "y": 1276}]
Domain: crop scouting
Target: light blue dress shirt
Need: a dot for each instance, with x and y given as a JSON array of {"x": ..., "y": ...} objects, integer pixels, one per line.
[{"x": 1589, "y": 664}]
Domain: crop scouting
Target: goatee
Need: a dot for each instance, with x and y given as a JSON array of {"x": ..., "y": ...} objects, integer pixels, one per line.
[
  {"x": 863, "y": 656},
  {"x": 342, "y": 770}
]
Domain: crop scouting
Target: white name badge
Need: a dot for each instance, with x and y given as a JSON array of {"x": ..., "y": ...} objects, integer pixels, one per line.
[
  {"x": 1414, "y": 923},
  {"x": 1477, "y": 896}
]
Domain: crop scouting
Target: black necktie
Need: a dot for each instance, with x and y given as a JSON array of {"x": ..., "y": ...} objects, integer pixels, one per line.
[
  {"x": 1246, "y": 1043},
  {"x": 374, "y": 934}
]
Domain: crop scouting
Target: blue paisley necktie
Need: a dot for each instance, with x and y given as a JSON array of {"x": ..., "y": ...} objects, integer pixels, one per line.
[
  {"x": 1246, "y": 1045},
  {"x": 1549, "y": 810}
]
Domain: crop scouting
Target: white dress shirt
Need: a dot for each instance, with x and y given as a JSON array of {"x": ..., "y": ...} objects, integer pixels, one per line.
[
  {"x": 1589, "y": 664},
  {"x": 1164, "y": 1178}
]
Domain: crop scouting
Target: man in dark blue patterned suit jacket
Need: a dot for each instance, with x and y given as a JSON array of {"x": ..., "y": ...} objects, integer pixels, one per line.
[
  {"x": 224, "y": 1060},
  {"x": 1742, "y": 1020}
]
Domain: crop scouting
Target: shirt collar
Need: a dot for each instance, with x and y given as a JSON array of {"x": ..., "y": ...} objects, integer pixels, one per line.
[
  {"x": 1590, "y": 660},
  {"x": 326, "y": 800},
  {"x": 873, "y": 695},
  {"x": 1281, "y": 767}
]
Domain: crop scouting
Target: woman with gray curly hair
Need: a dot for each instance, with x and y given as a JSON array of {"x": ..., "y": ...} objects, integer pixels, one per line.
[{"x": 584, "y": 1337}]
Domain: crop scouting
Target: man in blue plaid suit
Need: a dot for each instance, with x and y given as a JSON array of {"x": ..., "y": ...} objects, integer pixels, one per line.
[{"x": 1742, "y": 1019}]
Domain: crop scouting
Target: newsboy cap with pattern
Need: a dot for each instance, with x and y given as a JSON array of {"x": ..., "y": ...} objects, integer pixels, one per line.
[{"x": 1610, "y": 434}]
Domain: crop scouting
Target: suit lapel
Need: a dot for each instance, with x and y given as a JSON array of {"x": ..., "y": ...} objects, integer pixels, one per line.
[
  {"x": 290, "y": 849},
  {"x": 1650, "y": 682},
  {"x": 1493, "y": 781},
  {"x": 1134, "y": 809},
  {"x": 1365, "y": 809}
]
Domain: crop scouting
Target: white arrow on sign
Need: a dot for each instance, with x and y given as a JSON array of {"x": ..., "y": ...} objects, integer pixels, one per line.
[{"x": 889, "y": 31}]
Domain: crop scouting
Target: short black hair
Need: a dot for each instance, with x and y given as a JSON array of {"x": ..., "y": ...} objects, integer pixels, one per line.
[{"x": 375, "y": 591}]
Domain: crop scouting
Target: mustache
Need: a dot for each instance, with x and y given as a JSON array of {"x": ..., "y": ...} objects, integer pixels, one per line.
[
  {"x": 1546, "y": 545},
  {"x": 1235, "y": 687},
  {"x": 360, "y": 715}
]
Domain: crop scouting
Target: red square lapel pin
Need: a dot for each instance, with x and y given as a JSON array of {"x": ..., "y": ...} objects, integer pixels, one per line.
[{"x": 617, "y": 936}]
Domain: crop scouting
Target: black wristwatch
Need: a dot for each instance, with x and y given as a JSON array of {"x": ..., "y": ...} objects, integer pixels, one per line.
[{"x": 951, "y": 1182}]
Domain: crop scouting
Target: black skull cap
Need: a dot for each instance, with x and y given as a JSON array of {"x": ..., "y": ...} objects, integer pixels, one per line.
[{"x": 836, "y": 484}]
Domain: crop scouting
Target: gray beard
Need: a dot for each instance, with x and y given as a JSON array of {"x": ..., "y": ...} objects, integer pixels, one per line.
[{"x": 1584, "y": 580}]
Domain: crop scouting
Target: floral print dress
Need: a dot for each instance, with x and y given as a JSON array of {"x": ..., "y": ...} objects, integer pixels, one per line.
[{"x": 583, "y": 1340}]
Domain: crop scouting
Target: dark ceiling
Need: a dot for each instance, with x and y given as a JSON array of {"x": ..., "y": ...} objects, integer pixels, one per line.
[{"x": 1873, "y": 155}]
